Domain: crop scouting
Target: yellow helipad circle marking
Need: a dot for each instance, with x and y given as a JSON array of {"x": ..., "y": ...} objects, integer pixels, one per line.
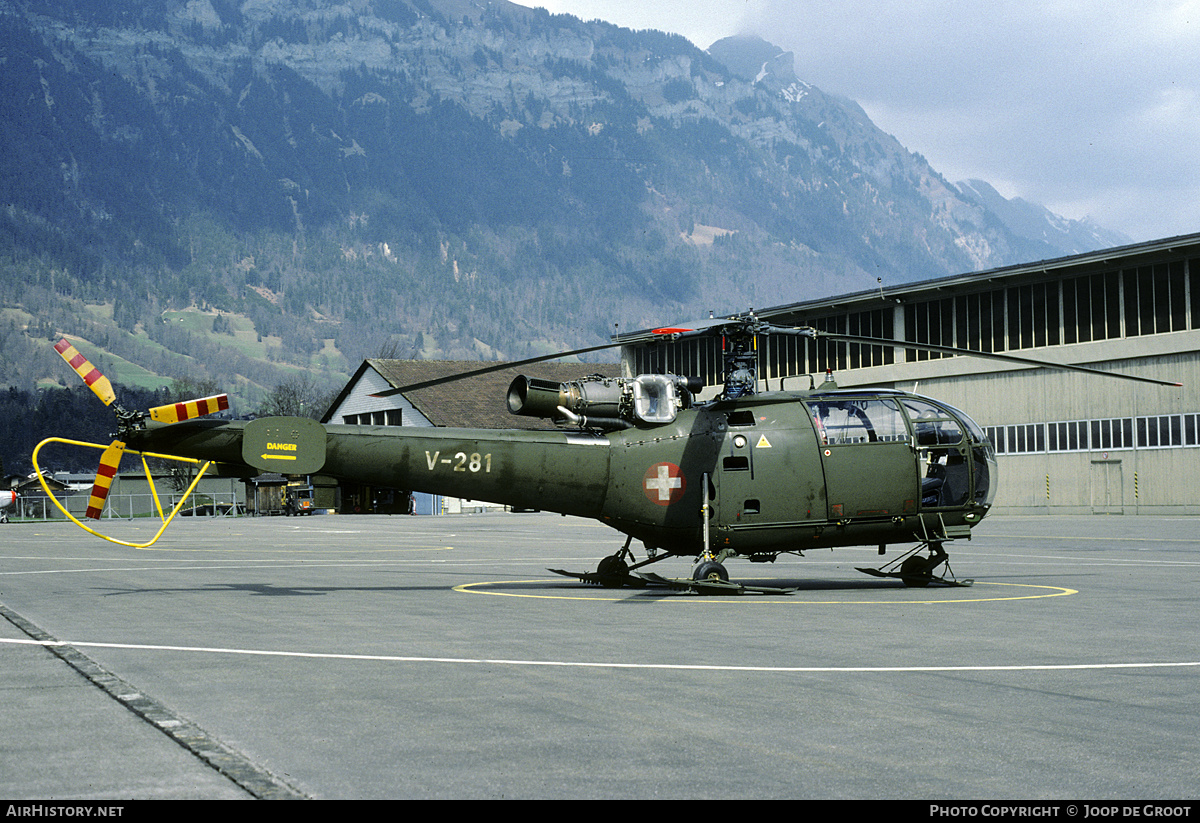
[{"x": 625, "y": 594}]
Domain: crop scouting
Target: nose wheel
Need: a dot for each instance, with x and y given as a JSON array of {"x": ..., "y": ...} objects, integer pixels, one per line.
[
  {"x": 710, "y": 571},
  {"x": 709, "y": 567}
]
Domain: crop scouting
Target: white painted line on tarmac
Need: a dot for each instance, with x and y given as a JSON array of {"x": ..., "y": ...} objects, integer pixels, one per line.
[{"x": 388, "y": 658}]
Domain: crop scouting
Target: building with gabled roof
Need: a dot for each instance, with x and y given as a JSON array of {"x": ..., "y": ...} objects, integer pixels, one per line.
[{"x": 478, "y": 402}]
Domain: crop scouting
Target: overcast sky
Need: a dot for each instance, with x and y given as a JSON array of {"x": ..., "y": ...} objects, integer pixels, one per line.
[{"x": 1089, "y": 107}]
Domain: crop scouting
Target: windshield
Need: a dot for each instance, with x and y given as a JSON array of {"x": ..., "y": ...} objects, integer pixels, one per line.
[
  {"x": 842, "y": 421},
  {"x": 954, "y": 471},
  {"x": 932, "y": 424}
]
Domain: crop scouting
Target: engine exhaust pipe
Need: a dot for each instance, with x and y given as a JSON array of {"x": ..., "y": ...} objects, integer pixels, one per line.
[{"x": 531, "y": 397}]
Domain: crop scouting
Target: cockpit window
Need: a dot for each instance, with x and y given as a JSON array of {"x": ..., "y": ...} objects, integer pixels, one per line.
[
  {"x": 933, "y": 425},
  {"x": 841, "y": 421}
]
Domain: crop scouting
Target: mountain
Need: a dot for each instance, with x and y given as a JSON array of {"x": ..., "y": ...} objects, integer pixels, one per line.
[
  {"x": 1037, "y": 223},
  {"x": 241, "y": 190}
]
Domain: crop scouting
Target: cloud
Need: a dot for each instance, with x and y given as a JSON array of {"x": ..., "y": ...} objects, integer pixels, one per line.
[
  {"x": 701, "y": 21},
  {"x": 1080, "y": 106}
]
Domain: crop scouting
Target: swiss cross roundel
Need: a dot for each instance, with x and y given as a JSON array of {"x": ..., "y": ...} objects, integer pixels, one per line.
[{"x": 664, "y": 483}]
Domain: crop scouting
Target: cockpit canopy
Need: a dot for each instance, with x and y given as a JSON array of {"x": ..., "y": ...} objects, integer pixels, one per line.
[{"x": 959, "y": 463}]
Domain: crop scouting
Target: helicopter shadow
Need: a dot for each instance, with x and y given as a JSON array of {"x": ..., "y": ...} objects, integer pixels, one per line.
[
  {"x": 269, "y": 590},
  {"x": 759, "y": 588}
]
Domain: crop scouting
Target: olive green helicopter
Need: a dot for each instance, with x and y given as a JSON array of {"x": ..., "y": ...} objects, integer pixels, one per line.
[{"x": 749, "y": 474}]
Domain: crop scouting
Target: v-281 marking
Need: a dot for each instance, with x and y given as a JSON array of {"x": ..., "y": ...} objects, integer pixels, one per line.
[{"x": 462, "y": 462}]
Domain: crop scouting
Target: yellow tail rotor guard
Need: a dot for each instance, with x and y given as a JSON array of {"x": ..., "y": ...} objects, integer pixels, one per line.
[{"x": 166, "y": 520}]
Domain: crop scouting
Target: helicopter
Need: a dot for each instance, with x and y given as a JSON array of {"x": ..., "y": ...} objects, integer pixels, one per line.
[
  {"x": 748, "y": 474},
  {"x": 7, "y": 498}
]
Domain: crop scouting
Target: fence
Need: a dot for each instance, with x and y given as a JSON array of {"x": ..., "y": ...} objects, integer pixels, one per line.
[{"x": 130, "y": 506}]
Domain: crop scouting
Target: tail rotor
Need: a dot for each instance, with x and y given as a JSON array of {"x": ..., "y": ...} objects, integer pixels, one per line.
[{"x": 110, "y": 459}]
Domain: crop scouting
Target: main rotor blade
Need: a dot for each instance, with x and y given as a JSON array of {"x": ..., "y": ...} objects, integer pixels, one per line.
[
  {"x": 451, "y": 378},
  {"x": 1011, "y": 358},
  {"x": 91, "y": 375},
  {"x": 709, "y": 327},
  {"x": 752, "y": 325},
  {"x": 671, "y": 332}
]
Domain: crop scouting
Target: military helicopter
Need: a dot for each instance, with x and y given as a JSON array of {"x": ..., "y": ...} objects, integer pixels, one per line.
[{"x": 749, "y": 474}]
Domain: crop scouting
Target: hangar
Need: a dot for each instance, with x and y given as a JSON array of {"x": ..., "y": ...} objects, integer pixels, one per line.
[{"x": 1067, "y": 443}]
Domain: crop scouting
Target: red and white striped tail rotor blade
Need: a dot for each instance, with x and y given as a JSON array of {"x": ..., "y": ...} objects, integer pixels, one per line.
[
  {"x": 189, "y": 409},
  {"x": 110, "y": 461},
  {"x": 95, "y": 381}
]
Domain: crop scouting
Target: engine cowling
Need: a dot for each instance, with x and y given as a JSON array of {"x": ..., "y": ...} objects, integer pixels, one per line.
[{"x": 606, "y": 403}]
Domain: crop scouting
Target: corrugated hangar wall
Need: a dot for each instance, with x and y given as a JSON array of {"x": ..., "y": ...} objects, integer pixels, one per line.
[{"x": 1067, "y": 443}]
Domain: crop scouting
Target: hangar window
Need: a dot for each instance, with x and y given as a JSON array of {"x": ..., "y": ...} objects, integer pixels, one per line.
[
  {"x": 1162, "y": 432},
  {"x": 1112, "y": 434},
  {"x": 1085, "y": 302},
  {"x": 1166, "y": 431},
  {"x": 826, "y": 354},
  {"x": 1023, "y": 439},
  {"x": 930, "y": 322},
  {"x": 698, "y": 357},
  {"x": 1192, "y": 267},
  {"x": 1140, "y": 300},
  {"x": 1156, "y": 298},
  {"x": 1069, "y": 436},
  {"x": 1020, "y": 317},
  {"x": 1103, "y": 306},
  {"x": 870, "y": 324}
]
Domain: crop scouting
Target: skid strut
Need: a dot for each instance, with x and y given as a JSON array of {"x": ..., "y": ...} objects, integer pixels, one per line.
[
  {"x": 917, "y": 571},
  {"x": 615, "y": 570}
]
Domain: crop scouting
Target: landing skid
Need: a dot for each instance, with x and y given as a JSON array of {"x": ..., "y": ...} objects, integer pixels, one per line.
[
  {"x": 917, "y": 571},
  {"x": 609, "y": 580},
  {"x": 920, "y": 580},
  {"x": 615, "y": 570},
  {"x": 710, "y": 586},
  {"x": 650, "y": 579}
]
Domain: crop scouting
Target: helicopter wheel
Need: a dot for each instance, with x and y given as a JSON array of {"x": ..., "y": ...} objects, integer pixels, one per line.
[
  {"x": 712, "y": 571},
  {"x": 915, "y": 572},
  {"x": 612, "y": 571}
]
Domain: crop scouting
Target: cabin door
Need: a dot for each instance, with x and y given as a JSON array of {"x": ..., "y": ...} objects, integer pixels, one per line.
[{"x": 867, "y": 456}]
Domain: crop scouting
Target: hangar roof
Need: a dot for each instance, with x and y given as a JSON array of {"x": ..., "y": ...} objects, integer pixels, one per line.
[{"x": 1138, "y": 254}]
